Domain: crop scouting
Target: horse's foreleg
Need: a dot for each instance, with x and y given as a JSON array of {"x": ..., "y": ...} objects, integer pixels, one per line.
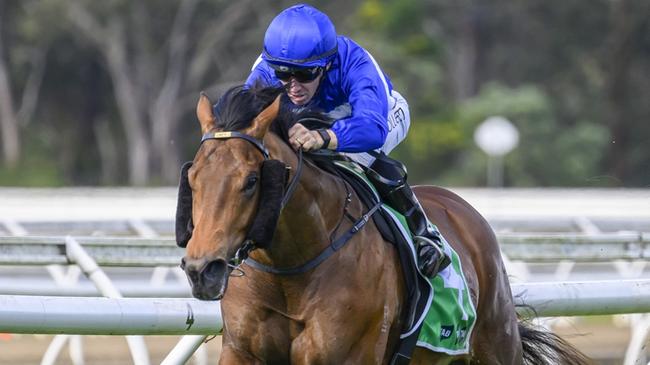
[
  {"x": 231, "y": 356},
  {"x": 311, "y": 348},
  {"x": 356, "y": 339},
  {"x": 304, "y": 351}
]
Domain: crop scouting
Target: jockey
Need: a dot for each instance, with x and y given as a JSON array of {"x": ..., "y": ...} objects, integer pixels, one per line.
[{"x": 320, "y": 69}]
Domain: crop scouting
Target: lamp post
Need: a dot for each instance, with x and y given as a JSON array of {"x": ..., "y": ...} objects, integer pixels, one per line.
[{"x": 496, "y": 136}]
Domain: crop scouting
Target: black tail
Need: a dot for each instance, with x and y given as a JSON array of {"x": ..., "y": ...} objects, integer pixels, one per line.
[{"x": 541, "y": 348}]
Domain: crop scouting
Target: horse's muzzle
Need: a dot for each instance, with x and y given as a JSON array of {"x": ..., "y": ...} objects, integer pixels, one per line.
[{"x": 207, "y": 279}]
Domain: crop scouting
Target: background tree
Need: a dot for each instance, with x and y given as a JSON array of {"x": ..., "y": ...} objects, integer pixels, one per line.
[
  {"x": 103, "y": 93},
  {"x": 582, "y": 61},
  {"x": 26, "y": 63},
  {"x": 151, "y": 81}
]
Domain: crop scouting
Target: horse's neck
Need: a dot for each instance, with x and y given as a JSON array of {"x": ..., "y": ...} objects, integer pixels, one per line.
[{"x": 311, "y": 214}]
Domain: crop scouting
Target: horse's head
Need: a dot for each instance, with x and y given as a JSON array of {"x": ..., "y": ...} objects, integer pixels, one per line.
[{"x": 225, "y": 184}]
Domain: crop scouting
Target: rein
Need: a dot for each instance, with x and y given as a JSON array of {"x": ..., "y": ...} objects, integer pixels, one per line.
[
  {"x": 324, "y": 255},
  {"x": 242, "y": 255}
]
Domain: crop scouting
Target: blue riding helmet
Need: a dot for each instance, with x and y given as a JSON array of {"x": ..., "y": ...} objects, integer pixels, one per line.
[{"x": 300, "y": 36}]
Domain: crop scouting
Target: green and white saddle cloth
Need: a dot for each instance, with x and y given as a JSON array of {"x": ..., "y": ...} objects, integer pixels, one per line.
[
  {"x": 449, "y": 319},
  {"x": 449, "y": 316}
]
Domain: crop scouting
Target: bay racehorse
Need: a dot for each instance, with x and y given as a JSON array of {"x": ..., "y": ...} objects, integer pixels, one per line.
[{"x": 346, "y": 309}]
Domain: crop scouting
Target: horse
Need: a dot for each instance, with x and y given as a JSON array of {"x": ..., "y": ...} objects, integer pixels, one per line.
[{"x": 347, "y": 308}]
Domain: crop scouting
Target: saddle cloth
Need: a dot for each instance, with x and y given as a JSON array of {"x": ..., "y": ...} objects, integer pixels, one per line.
[{"x": 442, "y": 314}]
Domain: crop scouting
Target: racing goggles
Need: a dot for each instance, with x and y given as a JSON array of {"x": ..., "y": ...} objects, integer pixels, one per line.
[{"x": 301, "y": 74}]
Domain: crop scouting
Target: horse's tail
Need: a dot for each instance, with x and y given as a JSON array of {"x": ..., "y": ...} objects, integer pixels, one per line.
[{"x": 541, "y": 347}]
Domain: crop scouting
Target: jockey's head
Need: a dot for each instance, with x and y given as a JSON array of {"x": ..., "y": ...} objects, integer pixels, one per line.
[{"x": 299, "y": 45}]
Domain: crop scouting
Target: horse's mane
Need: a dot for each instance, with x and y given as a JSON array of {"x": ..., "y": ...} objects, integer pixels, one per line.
[{"x": 237, "y": 108}]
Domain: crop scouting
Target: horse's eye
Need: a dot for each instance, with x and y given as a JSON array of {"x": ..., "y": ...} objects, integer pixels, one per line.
[{"x": 251, "y": 182}]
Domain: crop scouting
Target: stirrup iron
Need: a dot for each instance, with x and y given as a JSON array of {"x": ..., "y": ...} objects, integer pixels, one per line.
[{"x": 435, "y": 252}]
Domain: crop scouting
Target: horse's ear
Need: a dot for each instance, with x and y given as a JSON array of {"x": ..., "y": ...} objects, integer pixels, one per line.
[
  {"x": 204, "y": 113},
  {"x": 263, "y": 121}
]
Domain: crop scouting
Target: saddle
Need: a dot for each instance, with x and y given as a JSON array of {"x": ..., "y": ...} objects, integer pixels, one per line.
[
  {"x": 274, "y": 179},
  {"x": 418, "y": 291}
]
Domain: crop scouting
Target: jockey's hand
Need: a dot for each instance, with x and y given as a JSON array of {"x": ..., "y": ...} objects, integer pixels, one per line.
[{"x": 307, "y": 140}]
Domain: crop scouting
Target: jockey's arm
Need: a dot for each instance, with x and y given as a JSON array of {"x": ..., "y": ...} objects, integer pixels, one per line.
[
  {"x": 367, "y": 127},
  {"x": 366, "y": 90},
  {"x": 364, "y": 130}
]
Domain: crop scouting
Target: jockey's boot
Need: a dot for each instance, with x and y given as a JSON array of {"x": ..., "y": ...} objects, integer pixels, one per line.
[
  {"x": 428, "y": 241},
  {"x": 389, "y": 177}
]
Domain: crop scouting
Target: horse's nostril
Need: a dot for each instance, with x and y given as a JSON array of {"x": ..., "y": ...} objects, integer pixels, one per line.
[
  {"x": 215, "y": 271},
  {"x": 192, "y": 269},
  {"x": 207, "y": 279},
  {"x": 193, "y": 276}
]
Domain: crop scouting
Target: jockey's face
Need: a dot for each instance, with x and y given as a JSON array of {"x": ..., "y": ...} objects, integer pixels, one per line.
[{"x": 301, "y": 93}]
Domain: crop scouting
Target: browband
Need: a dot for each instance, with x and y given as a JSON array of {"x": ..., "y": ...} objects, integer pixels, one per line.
[{"x": 232, "y": 134}]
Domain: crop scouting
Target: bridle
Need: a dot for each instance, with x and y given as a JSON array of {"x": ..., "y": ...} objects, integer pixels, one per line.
[
  {"x": 290, "y": 187},
  {"x": 242, "y": 254}
]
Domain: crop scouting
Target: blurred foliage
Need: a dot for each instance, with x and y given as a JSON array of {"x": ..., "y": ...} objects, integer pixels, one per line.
[
  {"x": 571, "y": 76},
  {"x": 38, "y": 168},
  {"x": 547, "y": 155},
  {"x": 546, "y": 67}
]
